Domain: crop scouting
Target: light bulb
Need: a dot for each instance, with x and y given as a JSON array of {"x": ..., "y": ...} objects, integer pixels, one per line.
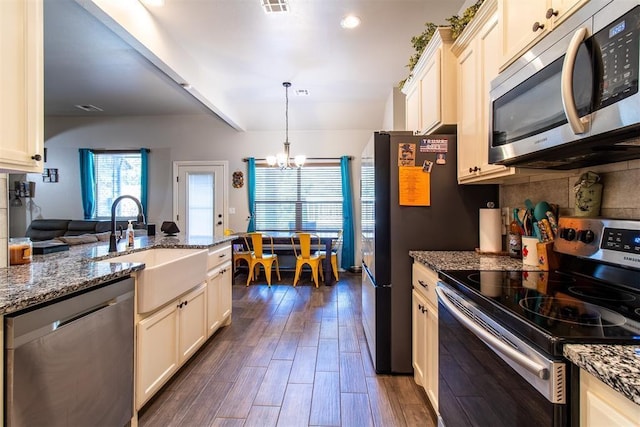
[
  {"x": 299, "y": 160},
  {"x": 272, "y": 160}
]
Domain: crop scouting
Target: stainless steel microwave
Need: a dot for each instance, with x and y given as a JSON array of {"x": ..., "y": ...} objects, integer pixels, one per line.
[{"x": 572, "y": 100}]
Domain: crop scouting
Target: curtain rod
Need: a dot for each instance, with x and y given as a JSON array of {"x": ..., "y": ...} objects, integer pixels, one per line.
[
  {"x": 246, "y": 159},
  {"x": 118, "y": 151}
]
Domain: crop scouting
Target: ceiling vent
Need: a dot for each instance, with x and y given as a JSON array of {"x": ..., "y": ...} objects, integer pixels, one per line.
[
  {"x": 273, "y": 6},
  {"x": 89, "y": 108},
  {"x": 302, "y": 92}
]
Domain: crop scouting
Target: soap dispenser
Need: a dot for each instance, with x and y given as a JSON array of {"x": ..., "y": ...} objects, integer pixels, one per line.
[{"x": 130, "y": 234}]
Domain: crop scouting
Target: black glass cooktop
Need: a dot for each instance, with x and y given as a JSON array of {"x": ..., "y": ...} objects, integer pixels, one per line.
[{"x": 552, "y": 308}]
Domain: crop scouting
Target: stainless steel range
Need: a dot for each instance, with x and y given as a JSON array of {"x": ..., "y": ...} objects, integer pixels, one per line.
[{"x": 502, "y": 332}]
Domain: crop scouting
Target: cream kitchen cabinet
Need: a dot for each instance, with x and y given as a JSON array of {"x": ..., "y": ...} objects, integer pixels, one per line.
[
  {"x": 524, "y": 22},
  {"x": 166, "y": 339},
  {"x": 600, "y": 405},
  {"x": 425, "y": 331},
  {"x": 21, "y": 105},
  {"x": 219, "y": 285},
  {"x": 478, "y": 62},
  {"x": 431, "y": 91}
]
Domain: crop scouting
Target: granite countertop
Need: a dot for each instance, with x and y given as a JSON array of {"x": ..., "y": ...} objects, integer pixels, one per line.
[
  {"x": 618, "y": 366},
  {"x": 468, "y": 260},
  {"x": 54, "y": 275},
  {"x": 615, "y": 365}
]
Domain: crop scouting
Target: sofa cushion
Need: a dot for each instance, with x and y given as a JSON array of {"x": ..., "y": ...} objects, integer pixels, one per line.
[
  {"x": 77, "y": 240},
  {"x": 46, "y": 229},
  {"x": 78, "y": 227}
]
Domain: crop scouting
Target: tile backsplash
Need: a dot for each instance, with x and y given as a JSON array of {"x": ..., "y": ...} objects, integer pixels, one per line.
[
  {"x": 4, "y": 220},
  {"x": 619, "y": 196}
]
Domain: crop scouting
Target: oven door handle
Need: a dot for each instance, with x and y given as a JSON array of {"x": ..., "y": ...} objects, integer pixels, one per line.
[
  {"x": 578, "y": 125},
  {"x": 513, "y": 354}
]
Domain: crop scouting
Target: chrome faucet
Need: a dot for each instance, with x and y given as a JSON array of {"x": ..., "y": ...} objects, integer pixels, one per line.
[{"x": 113, "y": 247}]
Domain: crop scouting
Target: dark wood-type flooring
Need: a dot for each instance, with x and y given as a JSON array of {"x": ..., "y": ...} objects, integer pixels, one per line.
[{"x": 291, "y": 357}]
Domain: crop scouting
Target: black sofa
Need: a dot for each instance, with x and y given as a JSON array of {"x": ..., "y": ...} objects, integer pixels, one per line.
[{"x": 47, "y": 229}]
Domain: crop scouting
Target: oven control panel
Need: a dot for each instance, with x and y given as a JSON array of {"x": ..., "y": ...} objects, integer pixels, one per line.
[{"x": 610, "y": 240}]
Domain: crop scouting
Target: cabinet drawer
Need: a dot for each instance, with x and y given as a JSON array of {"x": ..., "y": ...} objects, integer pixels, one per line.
[
  {"x": 218, "y": 255},
  {"x": 424, "y": 280}
]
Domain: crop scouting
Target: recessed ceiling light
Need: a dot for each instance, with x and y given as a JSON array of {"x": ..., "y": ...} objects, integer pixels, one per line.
[
  {"x": 272, "y": 6},
  {"x": 350, "y": 21}
]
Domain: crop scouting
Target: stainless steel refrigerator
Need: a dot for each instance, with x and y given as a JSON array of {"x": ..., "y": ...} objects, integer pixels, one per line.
[{"x": 391, "y": 230}]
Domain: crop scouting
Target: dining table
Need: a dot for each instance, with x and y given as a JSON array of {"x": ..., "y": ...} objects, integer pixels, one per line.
[{"x": 282, "y": 243}]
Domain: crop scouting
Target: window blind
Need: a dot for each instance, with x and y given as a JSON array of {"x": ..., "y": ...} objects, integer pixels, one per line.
[{"x": 309, "y": 198}]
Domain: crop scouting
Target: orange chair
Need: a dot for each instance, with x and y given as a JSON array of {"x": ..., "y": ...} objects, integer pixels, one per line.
[
  {"x": 259, "y": 257},
  {"x": 304, "y": 256},
  {"x": 334, "y": 255}
]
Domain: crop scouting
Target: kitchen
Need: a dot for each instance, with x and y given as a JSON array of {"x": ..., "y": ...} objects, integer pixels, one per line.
[{"x": 618, "y": 199}]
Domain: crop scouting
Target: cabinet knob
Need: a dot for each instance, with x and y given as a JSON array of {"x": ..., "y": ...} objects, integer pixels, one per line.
[
  {"x": 550, "y": 13},
  {"x": 537, "y": 26},
  {"x": 474, "y": 169},
  {"x": 36, "y": 157},
  {"x": 424, "y": 285},
  {"x": 424, "y": 309}
]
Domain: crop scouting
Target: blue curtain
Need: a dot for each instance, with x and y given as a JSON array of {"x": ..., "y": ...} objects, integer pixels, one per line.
[
  {"x": 251, "y": 188},
  {"x": 87, "y": 183},
  {"x": 348, "y": 243},
  {"x": 144, "y": 162}
]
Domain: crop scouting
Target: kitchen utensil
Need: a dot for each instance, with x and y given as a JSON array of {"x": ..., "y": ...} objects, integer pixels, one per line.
[
  {"x": 536, "y": 231},
  {"x": 552, "y": 221},
  {"x": 527, "y": 224},
  {"x": 546, "y": 230},
  {"x": 540, "y": 211}
]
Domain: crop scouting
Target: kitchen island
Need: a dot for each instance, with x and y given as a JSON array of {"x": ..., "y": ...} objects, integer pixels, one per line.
[
  {"x": 59, "y": 274},
  {"x": 167, "y": 333}
]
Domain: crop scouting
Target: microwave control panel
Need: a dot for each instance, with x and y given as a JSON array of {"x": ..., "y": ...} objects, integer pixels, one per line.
[{"x": 616, "y": 48}]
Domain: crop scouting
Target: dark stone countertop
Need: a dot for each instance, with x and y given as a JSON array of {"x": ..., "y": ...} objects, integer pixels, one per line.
[{"x": 58, "y": 274}]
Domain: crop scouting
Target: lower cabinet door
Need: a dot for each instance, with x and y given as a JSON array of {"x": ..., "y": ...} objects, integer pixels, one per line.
[
  {"x": 214, "y": 284},
  {"x": 419, "y": 335},
  {"x": 431, "y": 374},
  {"x": 225, "y": 293},
  {"x": 157, "y": 352},
  {"x": 192, "y": 310}
]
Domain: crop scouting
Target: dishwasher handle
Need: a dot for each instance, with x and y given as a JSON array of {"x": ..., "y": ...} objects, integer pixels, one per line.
[{"x": 510, "y": 352}]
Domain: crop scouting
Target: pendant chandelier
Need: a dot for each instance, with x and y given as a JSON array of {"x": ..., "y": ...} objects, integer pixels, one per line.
[{"x": 283, "y": 160}]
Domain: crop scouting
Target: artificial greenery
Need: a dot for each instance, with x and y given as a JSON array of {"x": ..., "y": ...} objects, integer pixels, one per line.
[
  {"x": 458, "y": 23},
  {"x": 421, "y": 41}
]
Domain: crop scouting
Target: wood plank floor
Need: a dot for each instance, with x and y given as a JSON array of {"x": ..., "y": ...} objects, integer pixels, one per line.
[{"x": 291, "y": 357}]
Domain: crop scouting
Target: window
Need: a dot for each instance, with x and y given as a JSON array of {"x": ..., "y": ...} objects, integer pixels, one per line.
[
  {"x": 309, "y": 198},
  {"x": 117, "y": 174},
  {"x": 107, "y": 175}
]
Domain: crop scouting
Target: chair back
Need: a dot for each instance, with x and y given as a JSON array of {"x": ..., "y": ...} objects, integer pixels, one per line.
[
  {"x": 256, "y": 241},
  {"x": 305, "y": 240}
]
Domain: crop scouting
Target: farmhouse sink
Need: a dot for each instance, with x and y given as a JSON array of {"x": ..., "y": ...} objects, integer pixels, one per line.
[{"x": 168, "y": 273}]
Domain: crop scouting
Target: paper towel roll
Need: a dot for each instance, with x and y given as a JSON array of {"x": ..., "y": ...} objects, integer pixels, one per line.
[{"x": 490, "y": 230}]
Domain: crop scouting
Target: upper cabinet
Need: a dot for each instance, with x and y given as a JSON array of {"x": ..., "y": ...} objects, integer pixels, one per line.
[
  {"x": 21, "y": 73},
  {"x": 431, "y": 91},
  {"x": 478, "y": 60},
  {"x": 524, "y": 22}
]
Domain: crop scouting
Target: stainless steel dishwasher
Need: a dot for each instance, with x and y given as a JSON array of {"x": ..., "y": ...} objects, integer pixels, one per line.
[{"x": 70, "y": 363}]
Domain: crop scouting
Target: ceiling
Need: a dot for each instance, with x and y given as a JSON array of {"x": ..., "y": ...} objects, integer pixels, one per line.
[{"x": 247, "y": 54}]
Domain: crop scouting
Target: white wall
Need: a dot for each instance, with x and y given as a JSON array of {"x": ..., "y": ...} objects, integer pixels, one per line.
[{"x": 171, "y": 138}]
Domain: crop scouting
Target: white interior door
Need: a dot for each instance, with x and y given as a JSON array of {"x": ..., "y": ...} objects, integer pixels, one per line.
[{"x": 200, "y": 198}]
